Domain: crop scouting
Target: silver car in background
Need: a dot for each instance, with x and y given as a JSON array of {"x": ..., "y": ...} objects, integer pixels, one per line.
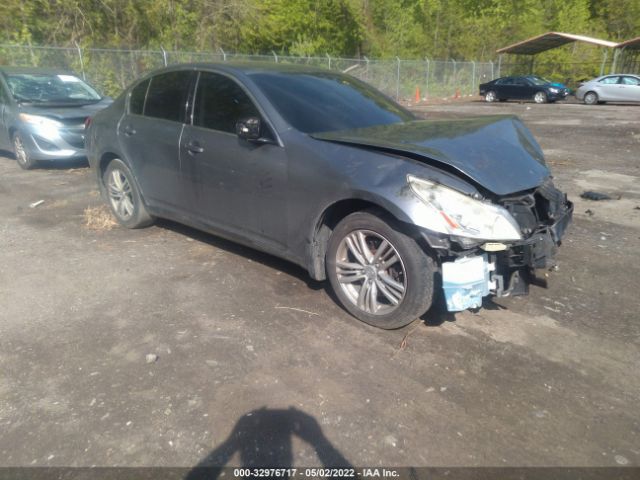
[
  {"x": 610, "y": 88},
  {"x": 43, "y": 114}
]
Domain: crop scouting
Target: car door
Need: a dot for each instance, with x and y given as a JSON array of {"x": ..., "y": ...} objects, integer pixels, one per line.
[
  {"x": 609, "y": 89},
  {"x": 149, "y": 133},
  {"x": 5, "y": 114},
  {"x": 630, "y": 88},
  {"x": 236, "y": 185},
  {"x": 505, "y": 88},
  {"x": 523, "y": 89}
]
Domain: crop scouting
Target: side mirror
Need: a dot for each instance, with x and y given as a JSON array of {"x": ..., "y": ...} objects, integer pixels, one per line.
[{"x": 248, "y": 128}]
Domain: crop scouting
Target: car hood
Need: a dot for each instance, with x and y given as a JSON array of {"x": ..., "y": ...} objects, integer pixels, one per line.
[
  {"x": 64, "y": 112},
  {"x": 497, "y": 152}
]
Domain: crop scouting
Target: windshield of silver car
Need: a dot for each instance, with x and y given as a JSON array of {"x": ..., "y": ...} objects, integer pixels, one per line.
[{"x": 50, "y": 89}]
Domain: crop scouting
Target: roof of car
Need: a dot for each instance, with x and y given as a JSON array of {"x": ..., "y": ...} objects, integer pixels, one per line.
[
  {"x": 45, "y": 71},
  {"x": 249, "y": 68},
  {"x": 615, "y": 75}
]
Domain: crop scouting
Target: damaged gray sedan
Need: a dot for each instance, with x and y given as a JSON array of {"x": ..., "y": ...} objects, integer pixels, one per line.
[{"x": 325, "y": 171}]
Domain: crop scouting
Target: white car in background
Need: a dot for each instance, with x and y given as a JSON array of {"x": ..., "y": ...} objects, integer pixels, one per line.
[{"x": 610, "y": 88}]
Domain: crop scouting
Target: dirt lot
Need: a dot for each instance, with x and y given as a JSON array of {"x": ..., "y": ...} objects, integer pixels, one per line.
[{"x": 247, "y": 342}]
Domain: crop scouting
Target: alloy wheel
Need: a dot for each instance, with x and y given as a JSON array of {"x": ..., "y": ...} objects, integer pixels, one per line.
[
  {"x": 590, "y": 98},
  {"x": 540, "y": 97},
  {"x": 20, "y": 151},
  {"x": 490, "y": 96},
  {"x": 120, "y": 194},
  {"x": 370, "y": 272}
]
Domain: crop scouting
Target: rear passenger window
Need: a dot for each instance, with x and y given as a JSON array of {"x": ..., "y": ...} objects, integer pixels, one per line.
[
  {"x": 220, "y": 103},
  {"x": 167, "y": 96},
  {"x": 630, "y": 81},
  {"x": 136, "y": 100},
  {"x": 609, "y": 80}
]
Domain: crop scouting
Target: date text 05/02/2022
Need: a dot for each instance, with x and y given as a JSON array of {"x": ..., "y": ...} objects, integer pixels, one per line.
[{"x": 315, "y": 472}]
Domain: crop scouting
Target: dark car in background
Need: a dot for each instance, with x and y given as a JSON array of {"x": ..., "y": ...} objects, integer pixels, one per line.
[
  {"x": 528, "y": 87},
  {"x": 323, "y": 170},
  {"x": 43, "y": 114}
]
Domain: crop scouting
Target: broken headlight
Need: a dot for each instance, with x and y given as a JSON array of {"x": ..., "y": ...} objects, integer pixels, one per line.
[{"x": 451, "y": 212}]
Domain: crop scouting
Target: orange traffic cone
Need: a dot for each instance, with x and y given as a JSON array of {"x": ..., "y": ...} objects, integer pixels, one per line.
[{"x": 417, "y": 94}]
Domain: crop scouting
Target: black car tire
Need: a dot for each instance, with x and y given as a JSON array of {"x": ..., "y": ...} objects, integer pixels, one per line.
[
  {"x": 22, "y": 155},
  {"x": 540, "y": 97},
  {"x": 123, "y": 195},
  {"x": 417, "y": 270},
  {"x": 591, "y": 98}
]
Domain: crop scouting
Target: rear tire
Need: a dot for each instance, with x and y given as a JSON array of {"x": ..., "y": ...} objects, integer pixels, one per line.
[
  {"x": 22, "y": 155},
  {"x": 380, "y": 275},
  {"x": 124, "y": 196},
  {"x": 591, "y": 98}
]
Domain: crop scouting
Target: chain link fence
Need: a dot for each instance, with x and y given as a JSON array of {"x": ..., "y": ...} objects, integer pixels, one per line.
[{"x": 112, "y": 70}]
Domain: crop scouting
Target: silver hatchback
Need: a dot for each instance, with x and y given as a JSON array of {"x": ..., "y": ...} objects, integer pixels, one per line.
[
  {"x": 43, "y": 114},
  {"x": 610, "y": 88}
]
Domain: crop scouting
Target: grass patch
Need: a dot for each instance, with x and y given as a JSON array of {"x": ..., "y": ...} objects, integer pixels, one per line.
[{"x": 99, "y": 218}]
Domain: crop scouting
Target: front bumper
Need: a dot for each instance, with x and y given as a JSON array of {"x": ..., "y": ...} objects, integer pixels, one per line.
[
  {"x": 561, "y": 95},
  {"x": 479, "y": 272},
  {"x": 54, "y": 143}
]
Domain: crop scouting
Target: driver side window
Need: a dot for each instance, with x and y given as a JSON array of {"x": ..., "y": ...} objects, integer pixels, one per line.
[{"x": 220, "y": 103}]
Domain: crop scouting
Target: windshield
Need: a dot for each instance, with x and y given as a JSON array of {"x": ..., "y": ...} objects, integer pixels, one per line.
[
  {"x": 48, "y": 88},
  {"x": 538, "y": 80},
  {"x": 323, "y": 102}
]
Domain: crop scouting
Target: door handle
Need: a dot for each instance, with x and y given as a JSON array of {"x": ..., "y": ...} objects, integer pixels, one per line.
[
  {"x": 194, "y": 147},
  {"x": 129, "y": 130}
]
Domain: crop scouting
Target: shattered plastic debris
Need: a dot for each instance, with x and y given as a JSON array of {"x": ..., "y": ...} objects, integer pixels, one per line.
[
  {"x": 151, "y": 358},
  {"x": 595, "y": 196},
  {"x": 589, "y": 212},
  {"x": 36, "y": 204}
]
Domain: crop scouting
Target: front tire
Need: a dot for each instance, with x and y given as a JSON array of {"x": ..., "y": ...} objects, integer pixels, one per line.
[
  {"x": 540, "y": 97},
  {"x": 22, "y": 155},
  {"x": 124, "y": 196},
  {"x": 380, "y": 275},
  {"x": 590, "y": 98},
  {"x": 491, "y": 96}
]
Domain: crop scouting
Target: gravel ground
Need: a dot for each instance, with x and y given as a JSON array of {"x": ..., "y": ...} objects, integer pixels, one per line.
[{"x": 170, "y": 347}]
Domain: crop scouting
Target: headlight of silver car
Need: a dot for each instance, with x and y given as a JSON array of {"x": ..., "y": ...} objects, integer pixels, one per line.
[
  {"x": 451, "y": 212},
  {"x": 39, "y": 120},
  {"x": 46, "y": 127}
]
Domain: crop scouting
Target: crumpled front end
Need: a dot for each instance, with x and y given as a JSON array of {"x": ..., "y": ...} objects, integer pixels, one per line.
[{"x": 473, "y": 270}]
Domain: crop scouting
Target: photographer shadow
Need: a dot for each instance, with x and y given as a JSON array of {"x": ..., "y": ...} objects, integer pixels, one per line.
[{"x": 263, "y": 439}]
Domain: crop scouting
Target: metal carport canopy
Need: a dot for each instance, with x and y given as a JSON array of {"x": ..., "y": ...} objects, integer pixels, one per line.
[
  {"x": 633, "y": 44},
  {"x": 550, "y": 40}
]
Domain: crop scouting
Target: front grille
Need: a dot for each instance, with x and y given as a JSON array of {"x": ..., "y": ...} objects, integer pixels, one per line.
[
  {"x": 550, "y": 200},
  {"x": 44, "y": 144},
  {"x": 79, "y": 144},
  {"x": 539, "y": 208},
  {"x": 77, "y": 122},
  {"x": 74, "y": 137}
]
